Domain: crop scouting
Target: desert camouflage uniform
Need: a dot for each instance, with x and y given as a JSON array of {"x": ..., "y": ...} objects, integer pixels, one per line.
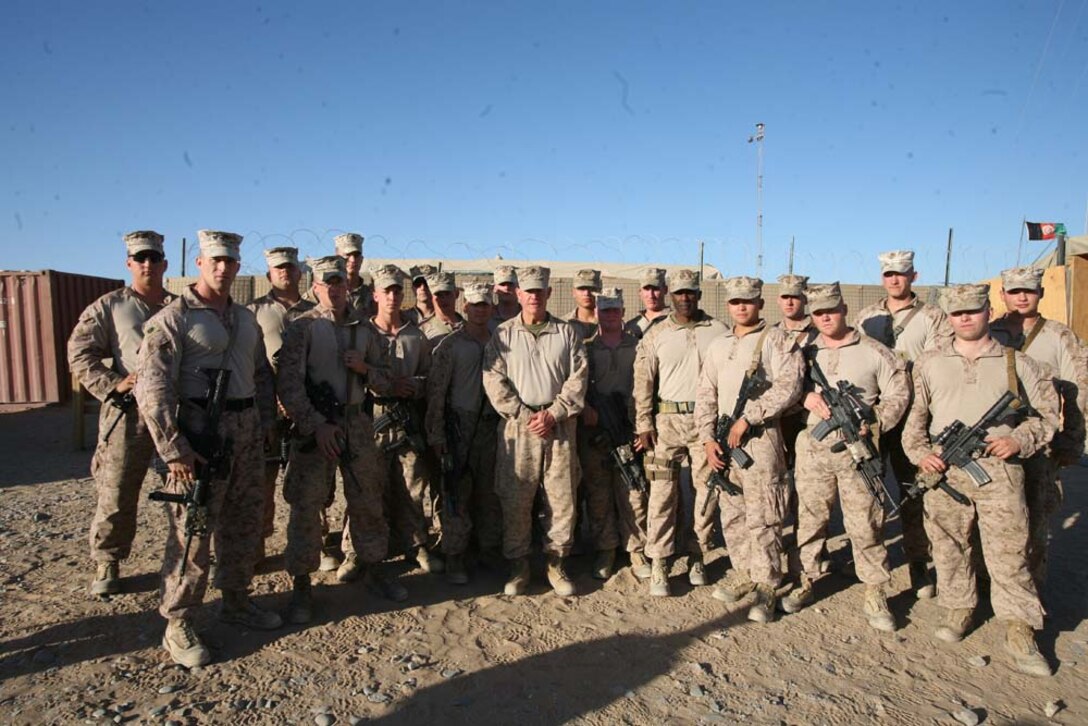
[
  {"x": 180, "y": 342},
  {"x": 112, "y": 328},
  {"x": 313, "y": 350},
  {"x": 455, "y": 393},
  {"x": 524, "y": 373},
  {"x": 751, "y": 520},
  {"x": 921, "y": 330},
  {"x": 361, "y": 299},
  {"x": 792, "y": 422},
  {"x": 878, "y": 378},
  {"x": 1058, "y": 347},
  {"x": 638, "y": 325},
  {"x": 611, "y": 370},
  {"x": 586, "y": 330},
  {"x": 667, "y": 363},
  {"x": 435, "y": 329},
  {"x": 949, "y": 387},
  {"x": 273, "y": 315}
]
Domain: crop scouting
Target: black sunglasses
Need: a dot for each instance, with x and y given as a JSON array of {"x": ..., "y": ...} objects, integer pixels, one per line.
[{"x": 146, "y": 255}]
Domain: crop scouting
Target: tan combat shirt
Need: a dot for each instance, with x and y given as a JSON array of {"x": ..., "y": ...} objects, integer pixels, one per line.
[
  {"x": 408, "y": 354},
  {"x": 729, "y": 358},
  {"x": 638, "y": 325},
  {"x": 111, "y": 328},
  {"x": 546, "y": 370},
  {"x": 435, "y": 329},
  {"x": 949, "y": 387},
  {"x": 925, "y": 329},
  {"x": 457, "y": 378},
  {"x": 586, "y": 330},
  {"x": 273, "y": 315},
  {"x": 180, "y": 342},
  {"x": 667, "y": 364},
  {"x": 313, "y": 349}
]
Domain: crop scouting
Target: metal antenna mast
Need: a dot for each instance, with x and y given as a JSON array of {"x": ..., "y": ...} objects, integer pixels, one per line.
[{"x": 758, "y": 140}]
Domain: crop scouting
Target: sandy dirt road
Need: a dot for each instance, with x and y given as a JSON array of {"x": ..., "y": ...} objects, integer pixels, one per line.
[{"x": 468, "y": 655}]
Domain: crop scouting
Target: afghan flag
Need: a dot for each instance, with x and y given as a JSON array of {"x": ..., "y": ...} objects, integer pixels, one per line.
[{"x": 1044, "y": 230}]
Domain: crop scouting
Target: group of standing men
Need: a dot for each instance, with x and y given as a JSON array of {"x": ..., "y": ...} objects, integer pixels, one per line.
[{"x": 460, "y": 432}]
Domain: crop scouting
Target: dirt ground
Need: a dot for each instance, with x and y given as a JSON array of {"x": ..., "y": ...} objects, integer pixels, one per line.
[{"x": 468, "y": 655}]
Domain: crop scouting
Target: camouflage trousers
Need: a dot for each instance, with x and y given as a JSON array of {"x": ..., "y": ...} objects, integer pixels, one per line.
[
  {"x": 1000, "y": 512},
  {"x": 916, "y": 544},
  {"x": 474, "y": 507},
  {"x": 526, "y": 463},
  {"x": 119, "y": 467},
  {"x": 272, "y": 468},
  {"x": 235, "y": 514},
  {"x": 308, "y": 487},
  {"x": 1043, "y": 494},
  {"x": 752, "y": 520},
  {"x": 822, "y": 476},
  {"x": 677, "y": 440},
  {"x": 616, "y": 513},
  {"x": 792, "y": 425}
]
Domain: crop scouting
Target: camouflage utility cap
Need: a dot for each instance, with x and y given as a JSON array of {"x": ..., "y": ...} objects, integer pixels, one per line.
[
  {"x": 587, "y": 278},
  {"x": 328, "y": 268},
  {"x": 792, "y": 285},
  {"x": 349, "y": 242},
  {"x": 505, "y": 274},
  {"x": 610, "y": 298},
  {"x": 683, "y": 280},
  {"x": 479, "y": 292},
  {"x": 534, "y": 277},
  {"x": 214, "y": 243},
  {"x": 824, "y": 297},
  {"x": 387, "y": 276},
  {"x": 965, "y": 298},
  {"x": 421, "y": 272},
  {"x": 651, "y": 277},
  {"x": 143, "y": 241},
  {"x": 901, "y": 261},
  {"x": 743, "y": 287},
  {"x": 281, "y": 256},
  {"x": 1022, "y": 278},
  {"x": 441, "y": 282}
]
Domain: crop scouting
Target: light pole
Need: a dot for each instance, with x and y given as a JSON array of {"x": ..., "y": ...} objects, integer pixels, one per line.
[{"x": 758, "y": 140}]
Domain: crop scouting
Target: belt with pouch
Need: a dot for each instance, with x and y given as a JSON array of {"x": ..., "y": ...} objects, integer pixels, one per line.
[{"x": 675, "y": 406}]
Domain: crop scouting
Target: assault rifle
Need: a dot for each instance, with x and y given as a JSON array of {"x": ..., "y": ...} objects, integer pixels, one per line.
[
  {"x": 124, "y": 404},
  {"x": 323, "y": 398},
  {"x": 452, "y": 465},
  {"x": 400, "y": 415},
  {"x": 848, "y": 415},
  {"x": 615, "y": 430},
  {"x": 754, "y": 382},
  {"x": 216, "y": 451},
  {"x": 960, "y": 444}
]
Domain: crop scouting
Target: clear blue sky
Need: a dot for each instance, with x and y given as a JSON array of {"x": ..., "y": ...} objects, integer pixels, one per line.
[{"x": 568, "y": 130}]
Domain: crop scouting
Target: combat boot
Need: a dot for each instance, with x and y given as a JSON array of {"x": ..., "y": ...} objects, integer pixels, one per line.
[
  {"x": 602, "y": 565},
  {"x": 735, "y": 591},
  {"x": 957, "y": 621},
  {"x": 237, "y": 608},
  {"x": 557, "y": 576},
  {"x": 455, "y": 570},
  {"x": 383, "y": 585},
  {"x": 921, "y": 581},
  {"x": 876, "y": 609},
  {"x": 107, "y": 579},
  {"x": 1020, "y": 644},
  {"x": 640, "y": 568},
  {"x": 798, "y": 598},
  {"x": 184, "y": 645},
  {"x": 349, "y": 569},
  {"x": 300, "y": 609},
  {"x": 429, "y": 561},
  {"x": 762, "y": 610},
  {"x": 697, "y": 570},
  {"x": 659, "y": 578},
  {"x": 519, "y": 577}
]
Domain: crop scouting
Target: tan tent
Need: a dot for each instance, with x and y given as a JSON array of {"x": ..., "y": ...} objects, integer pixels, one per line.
[{"x": 1074, "y": 246}]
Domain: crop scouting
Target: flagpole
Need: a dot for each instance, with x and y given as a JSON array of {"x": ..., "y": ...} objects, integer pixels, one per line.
[{"x": 1020, "y": 245}]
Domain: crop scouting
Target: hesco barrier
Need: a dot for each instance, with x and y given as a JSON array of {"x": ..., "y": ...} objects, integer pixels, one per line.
[
  {"x": 857, "y": 297},
  {"x": 38, "y": 311}
]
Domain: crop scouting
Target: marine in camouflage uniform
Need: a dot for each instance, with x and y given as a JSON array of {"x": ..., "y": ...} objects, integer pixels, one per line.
[
  {"x": 111, "y": 328},
  {"x": 616, "y": 512},
  {"x": 423, "y": 310},
  {"x": 200, "y": 332},
  {"x": 960, "y": 380},
  {"x": 654, "y": 294},
  {"x": 360, "y": 290},
  {"x": 908, "y": 326},
  {"x": 535, "y": 375},
  {"x": 1056, "y": 346},
  {"x": 752, "y": 518},
  {"x": 667, "y": 363},
  {"x": 331, "y": 347},
  {"x": 878, "y": 380},
  {"x": 274, "y": 311},
  {"x": 587, "y": 283},
  {"x": 445, "y": 319},
  {"x": 456, "y": 403},
  {"x": 504, "y": 283}
]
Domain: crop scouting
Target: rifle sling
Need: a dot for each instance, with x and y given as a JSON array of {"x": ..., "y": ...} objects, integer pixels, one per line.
[
  {"x": 897, "y": 330},
  {"x": 757, "y": 360},
  {"x": 1036, "y": 329}
]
